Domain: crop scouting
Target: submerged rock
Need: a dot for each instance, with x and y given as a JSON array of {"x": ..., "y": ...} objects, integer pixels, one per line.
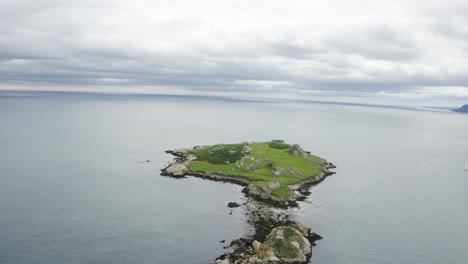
[{"x": 233, "y": 205}]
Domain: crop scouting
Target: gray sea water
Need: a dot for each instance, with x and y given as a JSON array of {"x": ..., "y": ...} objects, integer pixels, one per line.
[{"x": 75, "y": 186}]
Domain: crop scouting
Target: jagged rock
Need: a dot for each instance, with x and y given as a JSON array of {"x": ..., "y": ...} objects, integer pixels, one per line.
[
  {"x": 272, "y": 186},
  {"x": 222, "y": 261},
  {"x": 277, "y": 172},
  {"x": 256, "y": 245},
  {"x": 297, "y": 150},
  {"x": 248, "y": 163},
  {"x": 264, "y": 193},
  {"x": 289, "y": 172},
  {"x": 246, "y": 149}
]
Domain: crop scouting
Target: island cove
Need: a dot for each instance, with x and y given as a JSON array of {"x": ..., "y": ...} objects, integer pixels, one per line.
[{"x": 273, "y": 172}]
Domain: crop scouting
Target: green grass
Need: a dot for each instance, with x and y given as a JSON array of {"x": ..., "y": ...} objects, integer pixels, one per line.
[
  {"x": 279, "y": 144},
  {"x": 219, "y": 154},
  {"x": 289, "y": 233},
  {"x": 285, "y": 249},
  {"x": 231, "y": 160},
  {"x": 281, "y": 192}
]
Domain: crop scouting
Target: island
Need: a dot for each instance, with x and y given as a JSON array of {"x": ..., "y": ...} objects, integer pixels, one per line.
[
  {"x": 463, "y": 109},
  {"x": 275, "y": 174}
]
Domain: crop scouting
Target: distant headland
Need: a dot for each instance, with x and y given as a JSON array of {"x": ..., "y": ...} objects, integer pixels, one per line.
[
  {"x": 274, "y": 173},
  {"x": 463, "y": 109}
]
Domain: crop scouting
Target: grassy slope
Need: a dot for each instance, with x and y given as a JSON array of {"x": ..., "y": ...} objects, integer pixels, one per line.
[{"x": 213, "y": 160}]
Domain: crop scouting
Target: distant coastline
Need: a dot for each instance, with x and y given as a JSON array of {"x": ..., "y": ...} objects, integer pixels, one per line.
[{"x": 147, "y": 96}]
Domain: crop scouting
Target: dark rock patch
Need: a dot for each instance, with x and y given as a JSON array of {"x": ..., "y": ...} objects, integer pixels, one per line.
[{"x": 233, "y": 204}]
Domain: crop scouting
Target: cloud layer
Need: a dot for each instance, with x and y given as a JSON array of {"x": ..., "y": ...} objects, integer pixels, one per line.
[{"x": 415, "y": 48}]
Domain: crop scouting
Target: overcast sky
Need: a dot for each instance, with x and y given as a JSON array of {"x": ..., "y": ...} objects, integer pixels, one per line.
[{"x": 389, "y": 49}]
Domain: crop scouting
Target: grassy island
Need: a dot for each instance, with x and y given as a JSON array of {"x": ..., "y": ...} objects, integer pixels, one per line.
[{"x": 273, "y": 171}]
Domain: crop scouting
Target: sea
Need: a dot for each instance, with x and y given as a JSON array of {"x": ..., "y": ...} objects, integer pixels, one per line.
[{"x": 80, "y": 179}]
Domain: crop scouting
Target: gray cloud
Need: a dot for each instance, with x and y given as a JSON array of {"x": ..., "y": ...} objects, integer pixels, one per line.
[
  {"x": 377, "y": 42},
  {"x": 217, "y": 46}
]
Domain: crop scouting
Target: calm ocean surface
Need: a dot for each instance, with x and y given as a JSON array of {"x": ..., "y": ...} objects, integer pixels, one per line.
[{"x": 73, "y": 188}]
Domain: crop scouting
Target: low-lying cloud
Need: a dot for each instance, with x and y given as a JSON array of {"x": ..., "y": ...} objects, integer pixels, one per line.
[{"x": 399, "y": 48}]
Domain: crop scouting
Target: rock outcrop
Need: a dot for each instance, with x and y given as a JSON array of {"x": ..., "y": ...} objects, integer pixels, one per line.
[
  {"x": 284, "y": 244},
  {"x": 176, "y": 169},
  {"x": 264, "y": 193},
  {"x": 179, "y": 168},
  {"x": 297, "y": 150}
]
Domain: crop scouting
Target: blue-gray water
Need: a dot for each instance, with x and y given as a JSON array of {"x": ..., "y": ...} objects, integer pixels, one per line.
[{"x": 73, "y": 188}]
